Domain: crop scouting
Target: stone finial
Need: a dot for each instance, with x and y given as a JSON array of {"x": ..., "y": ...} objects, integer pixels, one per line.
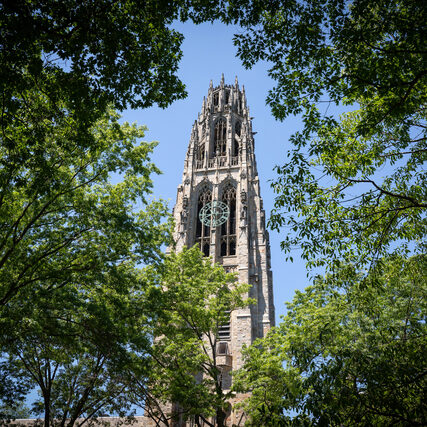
[
  {"x": 195, "y": 133},
  {"x": 222, "y": 80},
  {"x": 210, "y": 85},
  {"x": 236, "y": 83}
]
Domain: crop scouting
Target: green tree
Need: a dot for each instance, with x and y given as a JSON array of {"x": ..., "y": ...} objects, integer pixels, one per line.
[
  {"x": 195, "y": 299},
  {"x": 62, "y": 65},
  {"x": 75, "y": 220},
  {"x": 13, "y": 412},
  {"x": 71, "y": 243},
  {"x": 90, "y": 52},
  {"x": 77, "y": 351},
  {"x": 354, "y": 187},
  {"x": 63, "y": 221},
  {"x": 348, "y": 352}
]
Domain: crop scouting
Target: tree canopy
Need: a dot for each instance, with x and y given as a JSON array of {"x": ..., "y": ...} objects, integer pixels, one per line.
[
  {"x": 63, "y": 221},
  {"x": 353, "y": 187},
  {"x": 76, "y": 346},
  {"x": 195, "y": 299},
  {"x": 76, "y": 223},
  {"x": 72, "y": 245},
  {"x": 122, "y": 53},
  {"x": 348, "y": 352}
]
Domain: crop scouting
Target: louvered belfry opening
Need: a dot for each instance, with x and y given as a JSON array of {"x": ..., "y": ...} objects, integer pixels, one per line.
[
  {"x": 228, "y": 228},
  {"x": 203, "y": 234},
  {"x": 224, "y": 330}
]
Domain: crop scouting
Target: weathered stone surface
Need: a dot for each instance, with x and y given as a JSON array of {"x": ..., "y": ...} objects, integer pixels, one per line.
[{"x": 216, "y": 159}]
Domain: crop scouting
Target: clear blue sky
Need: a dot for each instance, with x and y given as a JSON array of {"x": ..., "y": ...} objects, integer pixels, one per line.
[{"x": 208, "y": 52}]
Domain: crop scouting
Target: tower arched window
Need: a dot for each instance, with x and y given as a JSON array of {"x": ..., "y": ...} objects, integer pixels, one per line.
[
  {"x": 216, "y": 99},
  {"x": 203, "y": 232},
  {"x": 227, "y": 96},
  {"x": 220, "y": 138},
  {"x": 237, "y": 132},
  {"x": 228, "y": 228},
  {"x": 201, "y": 151}
]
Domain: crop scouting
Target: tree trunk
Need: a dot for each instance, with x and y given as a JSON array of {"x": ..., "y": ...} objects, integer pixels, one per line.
[
  {"x": 220, "y": 418},
  {"x": 46, "y": 410}
]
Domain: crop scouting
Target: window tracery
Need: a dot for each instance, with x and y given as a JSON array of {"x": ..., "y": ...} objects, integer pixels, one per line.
[
  {"x": 203, "y": 234},
  {"x": 216, "y": 99},
  {"x": 220, "y": 138},
  {"x": 227, "y": 96},
  {"x": 201, "y": 151},
  {"x": 228, "y": 228}
]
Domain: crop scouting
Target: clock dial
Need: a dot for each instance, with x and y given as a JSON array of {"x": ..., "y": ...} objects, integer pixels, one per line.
[{"x": 214, "y": 214}]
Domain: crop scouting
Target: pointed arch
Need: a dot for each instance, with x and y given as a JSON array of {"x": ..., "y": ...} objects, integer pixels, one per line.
[
  {"x": 201, "y": 151},
  {"x": 203, "y": 232},
  {"x": 220, "y": 138},
  {"x": 228, "y": 228},
  {"x": 236, "y": 139},
  {"x": 227, "y": 96},
  {"x": 216, "y": 99}
]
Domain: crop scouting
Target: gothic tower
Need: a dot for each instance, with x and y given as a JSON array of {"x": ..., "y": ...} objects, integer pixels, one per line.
[{"x": 220, "y": 173}]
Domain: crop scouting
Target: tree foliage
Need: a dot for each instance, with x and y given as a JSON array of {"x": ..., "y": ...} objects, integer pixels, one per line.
[
  {"x": 348, "y": 352},
  {"x": 75, "y": 219},
  {"x": 72, "y": 241},
  {"x": 195, "y": 299},
  {"x": 63, "y": 221},
  {"x": 91, "y": 52},
  {"x": 76, "y": 352},
  {"x": 353, "y": 187}
]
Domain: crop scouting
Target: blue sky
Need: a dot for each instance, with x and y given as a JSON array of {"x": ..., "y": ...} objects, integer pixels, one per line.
[{"x": 209, "y": 52}]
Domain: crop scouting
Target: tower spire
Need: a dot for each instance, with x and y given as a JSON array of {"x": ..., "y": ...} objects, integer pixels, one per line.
[{"x": 220, "y": 171}]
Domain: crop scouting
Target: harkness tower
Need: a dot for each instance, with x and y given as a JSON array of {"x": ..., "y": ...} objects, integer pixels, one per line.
[{"x": 220, "y": 174}]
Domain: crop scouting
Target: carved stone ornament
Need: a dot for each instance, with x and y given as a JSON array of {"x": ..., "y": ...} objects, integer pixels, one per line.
[
  {"x": 185, "y": 202},
  {"x": 243, "y": 196},
  {"x": 243, "y": 175},
  {"x": 243, "y": 217}
]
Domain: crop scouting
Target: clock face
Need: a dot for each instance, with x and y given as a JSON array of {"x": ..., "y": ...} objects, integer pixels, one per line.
[{"x": 214, "y": 214}]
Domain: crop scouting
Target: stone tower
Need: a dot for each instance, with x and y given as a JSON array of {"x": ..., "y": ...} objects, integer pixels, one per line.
[{"x": 220, "y": 166}]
